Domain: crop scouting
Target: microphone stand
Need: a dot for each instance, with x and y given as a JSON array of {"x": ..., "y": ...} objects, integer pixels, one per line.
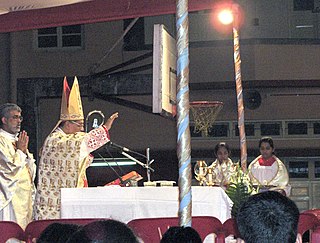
[
  {"x": 148, "y": 163},
  {"x": 144, "y": 165},
  {"x": 117, "y": 174}
]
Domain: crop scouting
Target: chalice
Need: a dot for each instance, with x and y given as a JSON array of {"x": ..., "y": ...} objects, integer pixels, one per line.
[{"x": 200, "y": 170}]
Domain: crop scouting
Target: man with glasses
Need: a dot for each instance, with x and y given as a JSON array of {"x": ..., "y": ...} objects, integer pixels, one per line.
[
  {"x": 17, "y": 168},
  {"x": 65, "y": 154}
]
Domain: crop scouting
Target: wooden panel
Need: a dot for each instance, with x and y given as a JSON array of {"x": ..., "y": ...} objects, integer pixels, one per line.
[
  {"x": 315, "y": 191},
  {"x": 300, "y": 194}
]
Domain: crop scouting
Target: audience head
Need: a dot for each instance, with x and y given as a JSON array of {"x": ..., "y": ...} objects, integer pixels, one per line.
[
  {"x": 109, "y": 231},
  {"x": 57, "y": 232},
  {"x": 268, "y": 217},
  {"x": 222, "y": 151},
  {"x": 181, "y": 235}
]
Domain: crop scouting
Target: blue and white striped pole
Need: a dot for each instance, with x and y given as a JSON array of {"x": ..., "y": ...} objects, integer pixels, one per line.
[{"x": 183, "y": 140}]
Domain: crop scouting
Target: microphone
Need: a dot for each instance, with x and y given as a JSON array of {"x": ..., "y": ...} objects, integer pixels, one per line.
[{"x": 119, "y": 147}]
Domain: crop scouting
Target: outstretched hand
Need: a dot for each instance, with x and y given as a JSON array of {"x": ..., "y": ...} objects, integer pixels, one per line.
[
  {"x": 23, "y": 141},
  {"x": 109, "y": 122}
]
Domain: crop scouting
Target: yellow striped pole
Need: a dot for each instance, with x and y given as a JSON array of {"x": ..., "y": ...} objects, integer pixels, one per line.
[{"x": 237, "y": 69}]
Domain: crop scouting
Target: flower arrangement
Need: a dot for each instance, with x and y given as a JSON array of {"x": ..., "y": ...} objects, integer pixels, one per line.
[{"x": 239, "y": 188}]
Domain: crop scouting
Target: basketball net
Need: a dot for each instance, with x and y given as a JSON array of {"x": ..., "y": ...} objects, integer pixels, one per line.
[{"x": 204, "y": 115}]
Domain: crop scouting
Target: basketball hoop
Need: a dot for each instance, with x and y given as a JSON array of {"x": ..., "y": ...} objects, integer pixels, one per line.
[{"x": 204, "y": 114}]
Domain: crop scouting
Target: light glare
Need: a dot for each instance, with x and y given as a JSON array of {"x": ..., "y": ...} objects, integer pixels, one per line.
[{"x": 225, "y": 17}]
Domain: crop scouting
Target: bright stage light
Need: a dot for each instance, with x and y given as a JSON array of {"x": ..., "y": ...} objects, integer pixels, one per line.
[{"x": 225, "y": 17}]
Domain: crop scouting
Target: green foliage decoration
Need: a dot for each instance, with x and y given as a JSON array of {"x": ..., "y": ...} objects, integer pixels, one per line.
[{"x": 239, "y": 189}]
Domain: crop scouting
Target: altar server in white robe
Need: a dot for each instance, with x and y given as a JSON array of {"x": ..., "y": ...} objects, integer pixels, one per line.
[{"x": 268, "y": 172}]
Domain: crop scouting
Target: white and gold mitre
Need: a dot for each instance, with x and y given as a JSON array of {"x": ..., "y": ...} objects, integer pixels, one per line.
[{"x": 71, "y": 106}]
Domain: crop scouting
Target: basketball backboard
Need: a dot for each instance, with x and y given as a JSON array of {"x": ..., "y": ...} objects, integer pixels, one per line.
[{"x": 164, "y": 72}]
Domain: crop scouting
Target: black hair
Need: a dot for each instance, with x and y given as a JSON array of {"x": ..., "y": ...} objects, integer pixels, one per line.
[
  {"x": 221, "y": 145},
  {"x": 181, "y": 234},
  {"x": 57, "y": 232},
  {"x": 109, "y": 231},
  {"x": 268, "y": 140},
  {"x": 268, "y": 217}
]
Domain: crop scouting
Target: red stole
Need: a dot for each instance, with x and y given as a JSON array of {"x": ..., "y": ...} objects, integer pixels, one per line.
[{"x": 266, "y": 162}]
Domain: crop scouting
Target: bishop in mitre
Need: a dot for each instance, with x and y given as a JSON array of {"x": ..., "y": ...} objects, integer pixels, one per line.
[{"x": 65, "y": 154}]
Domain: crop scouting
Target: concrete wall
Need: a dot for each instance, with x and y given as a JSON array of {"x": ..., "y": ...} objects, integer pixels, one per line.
[
  {"x": 5, "y": 67},
  {"x": 208, "y": 63}
]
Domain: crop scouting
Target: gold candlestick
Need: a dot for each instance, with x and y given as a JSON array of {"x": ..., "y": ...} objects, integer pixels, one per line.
[{"x": 200, "y": 171}]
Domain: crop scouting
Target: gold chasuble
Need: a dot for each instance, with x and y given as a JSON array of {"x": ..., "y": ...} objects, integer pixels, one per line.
[
  {"x": 274, "y": 176},
  {"x": 17, "y": 173},
  {"x": 63, "y": 163},
  {"x": 223, "y": 172}
]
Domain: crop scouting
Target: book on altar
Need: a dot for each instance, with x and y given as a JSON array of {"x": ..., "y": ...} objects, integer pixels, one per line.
[{"x": 129, "y": 179}]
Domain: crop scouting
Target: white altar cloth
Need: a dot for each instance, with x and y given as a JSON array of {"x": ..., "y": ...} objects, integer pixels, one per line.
[{"x": 128, "y": 203}]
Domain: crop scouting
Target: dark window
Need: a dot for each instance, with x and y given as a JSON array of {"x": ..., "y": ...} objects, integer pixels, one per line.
[
  {"x": 316, "y": 128},
  {"x": 48, "y": 31},
  {"x": 58, "y": 37},
  {"x": 47, "y": 41},
  {"x": 298, "y": 169},
  {"x": 71, "y": 35},
  {"x": 71, "y": 29},
  {"x": 249, "y": 129},
  {"x": 303, "y": 5},
  {"x": 297, "y": 128},
  {"x": 220, "y": 130},
  {"x": 71, "y": 40},
  {"x": 317, "y": 169},
  {"x": 270, "y": 129}
]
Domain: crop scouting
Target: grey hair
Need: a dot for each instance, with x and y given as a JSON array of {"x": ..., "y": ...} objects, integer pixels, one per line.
[{"x": 6, "y": 108}]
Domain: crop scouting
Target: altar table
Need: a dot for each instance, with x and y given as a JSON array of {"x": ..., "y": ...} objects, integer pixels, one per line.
[{"x": 128, "y": 203}]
